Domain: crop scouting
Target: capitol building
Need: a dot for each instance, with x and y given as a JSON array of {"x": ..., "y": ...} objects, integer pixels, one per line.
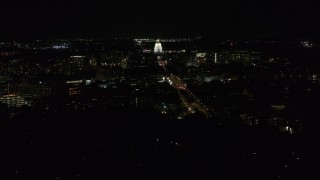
[{"x": 158, "y": 47}]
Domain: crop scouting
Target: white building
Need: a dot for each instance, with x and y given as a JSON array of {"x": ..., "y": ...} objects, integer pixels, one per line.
[{"x": 157, "y": 47}]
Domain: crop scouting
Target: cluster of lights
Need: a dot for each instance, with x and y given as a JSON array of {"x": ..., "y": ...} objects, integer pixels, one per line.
[
  {"x": 60, "y": 47},
  {"x": 163, "y": 40},
  {"x": 307, "y": 44}
]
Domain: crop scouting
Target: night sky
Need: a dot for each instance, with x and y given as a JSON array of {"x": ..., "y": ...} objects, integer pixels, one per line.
[{"x": 219, "y": 18}]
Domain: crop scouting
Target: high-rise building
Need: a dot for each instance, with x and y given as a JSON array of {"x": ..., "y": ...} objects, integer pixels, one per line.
[
  {"x": 215, "y": 58},
  {"x": 13, "y": 100}
]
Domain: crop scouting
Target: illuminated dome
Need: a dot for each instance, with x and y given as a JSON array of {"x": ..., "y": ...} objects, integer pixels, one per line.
[{"x": 157, "y": 47}]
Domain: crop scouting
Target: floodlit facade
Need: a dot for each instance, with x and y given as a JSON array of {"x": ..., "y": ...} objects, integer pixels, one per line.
[{"x": 157, "y": 47}]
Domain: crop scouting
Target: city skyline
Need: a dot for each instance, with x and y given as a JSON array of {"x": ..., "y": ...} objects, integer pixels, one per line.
[
  {"x": 221, "y": 90},
  {"x": 86, "y": 109}
]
